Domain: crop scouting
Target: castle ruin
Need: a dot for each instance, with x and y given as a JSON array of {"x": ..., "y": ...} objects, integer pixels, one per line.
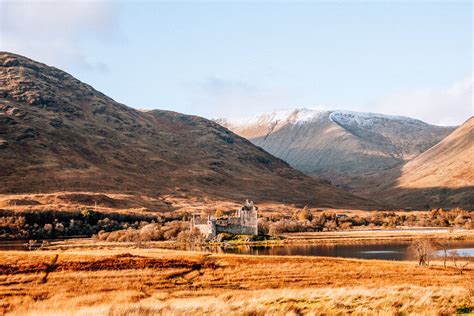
[{"x": 243, "y": 222}]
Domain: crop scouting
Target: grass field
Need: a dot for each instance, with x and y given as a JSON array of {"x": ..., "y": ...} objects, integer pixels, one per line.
[{"x": 118, "y": 281}]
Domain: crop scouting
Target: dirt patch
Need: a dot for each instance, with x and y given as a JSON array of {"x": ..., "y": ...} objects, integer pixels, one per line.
[
  {"x": 24, "y": 268},
  {"x": 22, "y": 202},
  {"x": 91, "y": 199},
  {"x": 119, "y": 262}
]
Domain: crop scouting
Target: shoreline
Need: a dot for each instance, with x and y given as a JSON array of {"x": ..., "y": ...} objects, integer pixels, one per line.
[{"x": 348, "y": 238}]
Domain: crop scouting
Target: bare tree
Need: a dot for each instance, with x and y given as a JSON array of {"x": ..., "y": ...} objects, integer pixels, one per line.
[
  {"x": 460, "y": 263},
  {"x": 423, "y": 249},
  {"x": 444, "y": 247}
]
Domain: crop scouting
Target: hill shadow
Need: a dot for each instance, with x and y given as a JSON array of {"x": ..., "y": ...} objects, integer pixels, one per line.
[{"x": 435, "y": 197}]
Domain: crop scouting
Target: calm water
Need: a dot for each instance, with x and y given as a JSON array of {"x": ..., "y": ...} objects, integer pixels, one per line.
[{"x": 387, "y": 251}]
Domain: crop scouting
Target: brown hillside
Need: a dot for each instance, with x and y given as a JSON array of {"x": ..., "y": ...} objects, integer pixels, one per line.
[
  {"x": 59, "y": 134},
  {"x": 441, "y": 176}
]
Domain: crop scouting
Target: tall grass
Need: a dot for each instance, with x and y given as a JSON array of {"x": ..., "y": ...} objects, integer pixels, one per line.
[{"x": 119, "y": 281}]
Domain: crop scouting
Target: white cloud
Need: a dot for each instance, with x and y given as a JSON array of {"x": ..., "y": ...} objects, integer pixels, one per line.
[
  {"x": 52, "y": 31},
  {"x": 450, "y": 105}
]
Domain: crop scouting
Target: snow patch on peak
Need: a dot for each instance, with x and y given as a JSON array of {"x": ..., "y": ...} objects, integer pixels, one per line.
[
  {"x": 295, "y": 116},
  {"x": 307, "y": 115},
  {"x": 280, "y": 117},
  {"x": 300, "y": 116},
  {"x": 368, "y": 119}
]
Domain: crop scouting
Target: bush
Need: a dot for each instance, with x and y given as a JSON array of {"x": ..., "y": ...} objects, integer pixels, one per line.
[
  {"x": 190, "y": 237},
  {"x": 144, "y": 232}
]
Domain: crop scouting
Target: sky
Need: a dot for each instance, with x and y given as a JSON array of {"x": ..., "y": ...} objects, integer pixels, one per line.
[{"x": 237, "y": 59}]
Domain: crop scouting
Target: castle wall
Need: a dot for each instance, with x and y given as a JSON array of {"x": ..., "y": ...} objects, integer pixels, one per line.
[
  {"x": 235, "y": 229},
  {"x": 243, "y": 223},
  {"x": 203, "y": 228}
]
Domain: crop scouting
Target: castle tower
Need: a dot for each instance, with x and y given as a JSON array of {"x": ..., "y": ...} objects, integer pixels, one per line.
[{"x": 248, "y": 218}]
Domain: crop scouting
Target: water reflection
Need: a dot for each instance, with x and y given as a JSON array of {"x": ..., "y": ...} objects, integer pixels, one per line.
[
  {"x": 14, "y": 245},
  {"x": 380, "y": 250},
  {"x": 386, "y": 251},
  {"x": 29, "y": 244}
]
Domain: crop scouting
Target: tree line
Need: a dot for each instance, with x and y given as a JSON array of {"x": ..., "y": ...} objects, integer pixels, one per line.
[
  {"x": 114, "y": 226},
  {"x": 307, "y": 220}
]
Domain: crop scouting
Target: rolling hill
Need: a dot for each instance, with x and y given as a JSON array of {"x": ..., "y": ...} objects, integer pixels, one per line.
[{"x": 59, "y": 134}]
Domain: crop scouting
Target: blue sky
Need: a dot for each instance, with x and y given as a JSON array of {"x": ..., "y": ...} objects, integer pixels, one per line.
[{"x": 239, "y": 59}]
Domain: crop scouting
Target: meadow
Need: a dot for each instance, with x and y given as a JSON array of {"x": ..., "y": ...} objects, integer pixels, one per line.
[{"x": 109, "y": 280}]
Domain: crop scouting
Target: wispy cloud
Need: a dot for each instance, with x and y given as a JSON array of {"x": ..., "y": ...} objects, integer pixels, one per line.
[
  {"x": 52, "y": 31},
  {"x": 223, "y": 87},
  {"x": 449, "y": 105},
  {"x": 227, "y": 98}
]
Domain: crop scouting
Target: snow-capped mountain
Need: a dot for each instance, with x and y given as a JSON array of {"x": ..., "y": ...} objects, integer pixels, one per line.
[{"x": 342, "y": 146}]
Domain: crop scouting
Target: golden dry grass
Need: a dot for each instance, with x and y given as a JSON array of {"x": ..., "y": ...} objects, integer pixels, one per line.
[{"x": 145, "y": 282}]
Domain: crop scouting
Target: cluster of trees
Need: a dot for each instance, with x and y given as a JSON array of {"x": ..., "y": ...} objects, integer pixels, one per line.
[
  {"x": 112, "y": 227},
  {"x": 308, "y": 221},
  {"x": 173, "y": 230},
  {"x": 59, "y": 224}
]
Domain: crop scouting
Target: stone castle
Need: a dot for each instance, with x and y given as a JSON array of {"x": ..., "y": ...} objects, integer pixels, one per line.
[{"x": 243, "y": 222}]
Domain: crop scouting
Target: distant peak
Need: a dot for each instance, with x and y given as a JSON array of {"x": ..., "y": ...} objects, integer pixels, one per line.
[
  {"x": 282, "y": 116},
  {"x": 368, "y": 118},
  {"x": 371, "y": 115}
]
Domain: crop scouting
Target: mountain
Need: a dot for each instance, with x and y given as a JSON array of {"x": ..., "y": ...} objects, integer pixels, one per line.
[
  {"x": 59, "y": 134},
  {"x": 441, "y": 176},
  {"x": 345, "y": 147}
]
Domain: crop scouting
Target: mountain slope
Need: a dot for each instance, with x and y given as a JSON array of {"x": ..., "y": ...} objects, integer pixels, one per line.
[
  {"x": 441, "y": 176},
  {"x": 59, "y": 134},
  {"x": 344, "y": 147}
]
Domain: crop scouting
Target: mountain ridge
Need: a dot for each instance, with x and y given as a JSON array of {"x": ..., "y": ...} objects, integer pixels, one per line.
[{"x": 342, "y": 146}]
